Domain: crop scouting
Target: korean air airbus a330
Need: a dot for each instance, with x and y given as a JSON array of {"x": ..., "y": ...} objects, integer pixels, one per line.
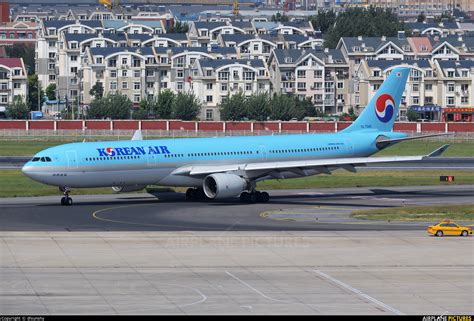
[{"x": 225, "y": 167}]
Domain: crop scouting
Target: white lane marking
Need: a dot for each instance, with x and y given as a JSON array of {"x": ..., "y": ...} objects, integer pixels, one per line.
[
  {"x": 350, "y": 288},
  {"x": 256, "y": 290},
  {"x": 261, "y": 293}
]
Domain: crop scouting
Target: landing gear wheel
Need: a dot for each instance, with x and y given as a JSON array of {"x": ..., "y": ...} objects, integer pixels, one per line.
[
  {"x": 196, "y": 194},
  {"x": 65, "y": 200},
  {"x": 255, "y": 197},
  {"x": 245, "y": 197},
  {"x": 190, "y": 193},
  {"x": 263, "y": 197}
]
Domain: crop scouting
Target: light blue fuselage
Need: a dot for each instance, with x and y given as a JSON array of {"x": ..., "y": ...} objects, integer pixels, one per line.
[{"x": 144, "y": 162}]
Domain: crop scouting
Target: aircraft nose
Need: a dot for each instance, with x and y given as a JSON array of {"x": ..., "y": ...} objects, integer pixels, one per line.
[{"x": 26, "y": 169}]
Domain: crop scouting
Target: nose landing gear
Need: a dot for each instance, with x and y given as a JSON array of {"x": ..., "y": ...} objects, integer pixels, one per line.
[{"x": 66, "y": 200}]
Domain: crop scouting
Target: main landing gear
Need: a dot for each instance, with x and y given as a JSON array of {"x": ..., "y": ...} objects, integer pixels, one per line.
[
  {"x": 254, "y": 197},
  {"x": 66, "y": 200},
  {"x": 196, "y": 194}
]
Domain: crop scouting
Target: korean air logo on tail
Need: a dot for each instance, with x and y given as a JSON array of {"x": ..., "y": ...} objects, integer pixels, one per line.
[{"x": 384, "y": 108}]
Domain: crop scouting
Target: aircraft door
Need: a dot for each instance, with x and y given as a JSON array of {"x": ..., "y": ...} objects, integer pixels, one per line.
[
  {"x": 349, "y": 146},
  {"x": 263, "y": 152},
  {"x": 71, "y": 156},
  {"x": 151, "y": 159}
]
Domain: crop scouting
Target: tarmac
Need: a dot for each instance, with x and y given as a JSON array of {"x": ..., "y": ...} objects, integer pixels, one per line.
[
  {"x": 318, "y": 272},
  {"x": 301, "y": 253}
]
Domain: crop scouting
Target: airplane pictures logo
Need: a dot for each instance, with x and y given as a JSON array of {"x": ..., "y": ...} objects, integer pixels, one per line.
[{"x": 384, "y": 108}]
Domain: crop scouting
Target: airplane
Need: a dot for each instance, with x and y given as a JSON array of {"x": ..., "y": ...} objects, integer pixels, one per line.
[{"x": 227, "y": 167}]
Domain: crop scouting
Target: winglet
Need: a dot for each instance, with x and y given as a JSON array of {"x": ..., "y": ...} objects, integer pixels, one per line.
[
  {"x": 137, "y": 135},
  {"x": 438, "y": 151}
]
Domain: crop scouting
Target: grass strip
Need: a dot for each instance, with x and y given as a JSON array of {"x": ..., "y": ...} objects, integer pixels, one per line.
[{"x": 418, "y": 213}]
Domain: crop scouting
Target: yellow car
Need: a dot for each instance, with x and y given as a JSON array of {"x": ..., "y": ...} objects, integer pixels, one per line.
[{"x": 449, "y": 228}]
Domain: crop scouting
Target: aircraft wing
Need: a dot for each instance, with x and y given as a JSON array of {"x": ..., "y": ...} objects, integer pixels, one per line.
[{"x": 321, "y": 165}]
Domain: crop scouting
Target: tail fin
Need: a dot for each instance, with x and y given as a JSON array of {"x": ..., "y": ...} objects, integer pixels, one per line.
[{"x": 381, "y": 112}]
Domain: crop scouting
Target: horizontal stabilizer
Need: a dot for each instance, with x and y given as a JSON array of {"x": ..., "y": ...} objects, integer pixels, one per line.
[
  {"x": 439, "y": 151},
  {"x": 395, "y": 140}
]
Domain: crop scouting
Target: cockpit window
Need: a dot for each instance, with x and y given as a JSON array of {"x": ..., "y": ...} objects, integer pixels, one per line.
[{"x": 41, "y": 159}]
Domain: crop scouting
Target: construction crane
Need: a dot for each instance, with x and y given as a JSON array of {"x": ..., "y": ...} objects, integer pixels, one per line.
[
  {"x": 235, "y": 8},
  {"x": 110, "y": 4}
]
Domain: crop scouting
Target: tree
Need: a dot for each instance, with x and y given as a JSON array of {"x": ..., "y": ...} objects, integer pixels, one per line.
[
  {"x": 51, "y": 92},
  {"x": 186, "y": 106},
  {"x": 445, "y": 16},
  {"x": 258, "y": 107},
  {"x": 234, "y": 107},
  {"x": 308, "y": 108},
  {"x": 33, "y": 85},
  {"x": 178, "y": 27},
  {"x": 371, "y": 22},
  {"x": 18, "y": 109},
  {"x": 352, "y": 113},
  {"x": 324, "y": 20},
  {"x": 97, "y": 90},
  {"x": 113, "y": 106},
  {"x": 412, "y": 115},
  {"x": 27, "y": 52},
  {"x": 421, "y": 17},
  {"x": 278, "y": 17},
  {"x": 164, "y": 106}
]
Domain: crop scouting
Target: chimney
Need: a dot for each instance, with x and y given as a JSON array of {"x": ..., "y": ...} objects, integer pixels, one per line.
[
  {"x": 384, "y": 38},
  {"x": 359, "y": 38}
]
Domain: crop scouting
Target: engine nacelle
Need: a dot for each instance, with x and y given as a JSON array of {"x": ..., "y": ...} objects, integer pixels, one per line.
[
  {"x": 128, "y": 188},
  {"x": 219, "y": 185}
]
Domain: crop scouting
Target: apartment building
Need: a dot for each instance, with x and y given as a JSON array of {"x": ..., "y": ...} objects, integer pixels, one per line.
[
  {"x": 118, "y": 69},
  {"x": 48, "y": 45},
  {"x": 214, "y": 80},
  {"x": 322, "y": 76},
  {"x": 19, "y": 32},
  {"x": 457, "y": 86},
  {"x": 13, "y": 81}
]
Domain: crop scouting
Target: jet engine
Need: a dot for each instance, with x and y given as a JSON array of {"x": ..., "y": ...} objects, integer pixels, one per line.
[
  {"x": 128, "y": 188},
  {"x": 217, "y": 186}
]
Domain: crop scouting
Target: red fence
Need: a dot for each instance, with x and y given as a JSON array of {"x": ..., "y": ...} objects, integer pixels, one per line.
[{"x": 203, "y": 126}]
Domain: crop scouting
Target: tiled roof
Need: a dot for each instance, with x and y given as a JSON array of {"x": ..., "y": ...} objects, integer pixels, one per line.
[{"x": 11, "y": 62}]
